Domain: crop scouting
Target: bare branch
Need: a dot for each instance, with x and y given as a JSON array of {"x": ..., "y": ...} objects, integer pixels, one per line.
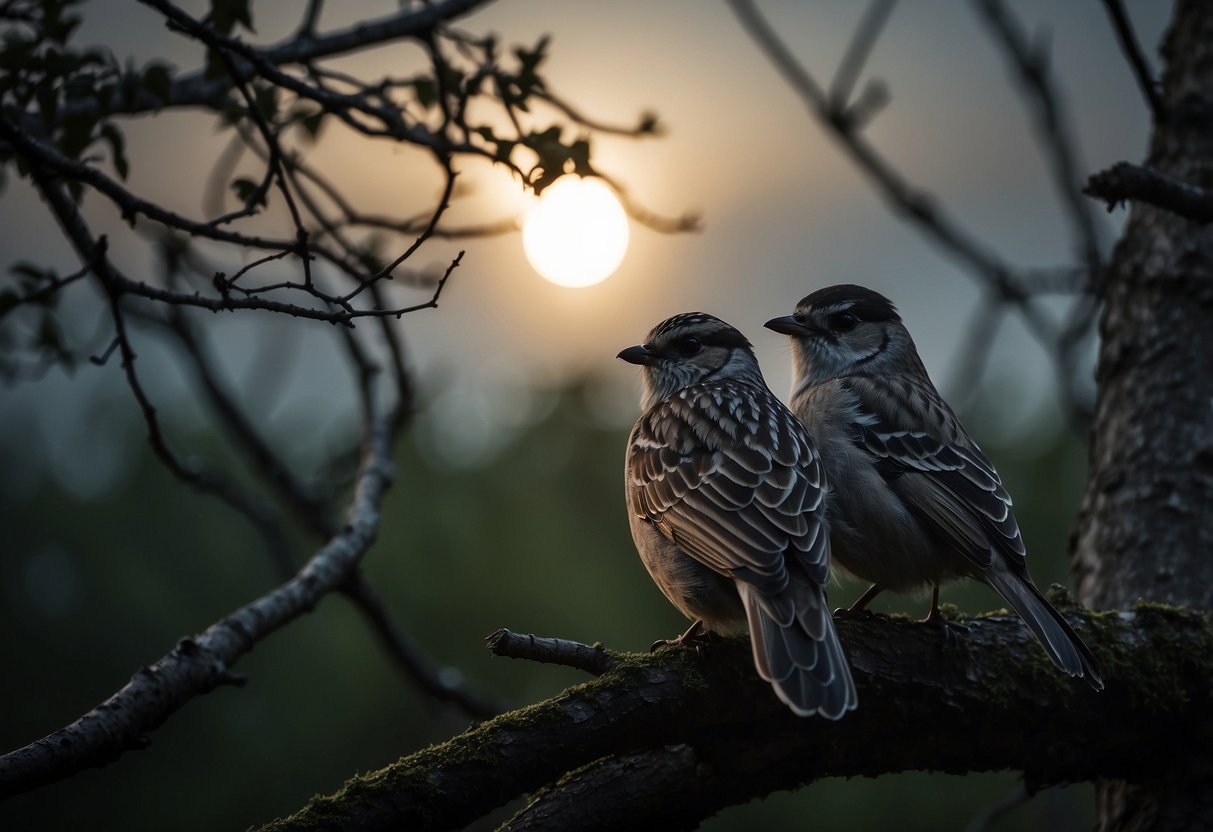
[
  {"x": 951, "y": 707},
  {"x": 446, "y": 684},
  {"x": 1133, "y": 54},
  {"x": 648, "y": 124},
  {"x": 195, "y": 89},
  {"x": 198, "y": 664},
  {"x": 1125, "y": 181},
  {"x": 593, "y": 659},
  {"x": 916, "y": 206},
  {"x": 131, "y": 206},
  {"x": 1052, "y": 127},
  {"x": 851, "y": 65}
]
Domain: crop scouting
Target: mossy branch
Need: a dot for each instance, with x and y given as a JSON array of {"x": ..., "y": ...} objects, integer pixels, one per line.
[{"x": 703, "y": 733}]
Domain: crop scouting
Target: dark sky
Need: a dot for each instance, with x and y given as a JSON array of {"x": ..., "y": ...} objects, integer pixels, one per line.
[{"x": 784, "y": 212}]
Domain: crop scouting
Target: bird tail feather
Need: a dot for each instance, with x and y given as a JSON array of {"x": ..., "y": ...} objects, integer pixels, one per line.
[
  {"x": 800, "y": 655},
  {"x": 1060, "y": 641}
]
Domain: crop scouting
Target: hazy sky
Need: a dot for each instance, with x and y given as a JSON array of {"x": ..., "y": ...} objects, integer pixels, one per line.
[{"x": 783, "y": 211}]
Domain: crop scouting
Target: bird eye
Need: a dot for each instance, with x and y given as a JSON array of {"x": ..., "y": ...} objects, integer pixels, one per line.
[
  {"x": 689, "y": 346},
  {"x": 844, "y": 322}
]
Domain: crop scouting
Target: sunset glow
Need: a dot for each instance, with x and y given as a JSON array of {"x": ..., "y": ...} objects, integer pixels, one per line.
[{"x": 577, "y": 233}]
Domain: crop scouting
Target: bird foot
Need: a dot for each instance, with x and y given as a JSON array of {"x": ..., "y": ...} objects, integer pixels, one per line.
[
  {"x": 695, "y": 637},
  {"x": 952, "y": 630}
]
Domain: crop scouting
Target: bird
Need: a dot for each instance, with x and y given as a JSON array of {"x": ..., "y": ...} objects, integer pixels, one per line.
[
  {"x": 915, "y": 503},
  {"x": 726, "y": 500}
]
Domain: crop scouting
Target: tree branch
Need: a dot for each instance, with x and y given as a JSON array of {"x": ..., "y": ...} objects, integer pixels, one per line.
[
  {"x": 593, "y": 659},
  {"x": 195, "y": 89},
  {"x": 1056, "y": 137},
  {"x": 1125, "y": 181},
  {"x": 988, "y": 700},
  {"x": 1137, "y": 61},
  {"x": 199, "y": 664},
  {"x": 917, "y": 206},
  {"x": 445, "y": 684}
]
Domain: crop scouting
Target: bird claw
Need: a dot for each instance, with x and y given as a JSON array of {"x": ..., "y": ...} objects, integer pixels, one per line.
[
  {"x": 694, "y": 637},
  {"x": 847, "y": 613},
  {"x": 951, "y": 629}
]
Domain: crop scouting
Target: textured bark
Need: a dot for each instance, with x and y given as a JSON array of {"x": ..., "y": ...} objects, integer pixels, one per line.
[
  {"x": 711, "y": 734},
  {"x": 1146, "y": 526}
]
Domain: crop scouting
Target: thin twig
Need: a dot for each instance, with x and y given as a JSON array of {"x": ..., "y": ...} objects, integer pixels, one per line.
[
  {"x": 916, "y": 206},
  {"x": 446, "y": 684},
  {"x": 1056, "y": 136},
  {"x": 1137, "y": 61},
  {"x": 851, "y": 65}
]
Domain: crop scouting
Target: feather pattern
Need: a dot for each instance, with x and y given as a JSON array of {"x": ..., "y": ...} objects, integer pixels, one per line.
[
  {"x": 726, "y": 497},
  {"x": 749, "y": 505},
  {"x": 915, "y": 500},
  {"x": 959, "y": 492}
]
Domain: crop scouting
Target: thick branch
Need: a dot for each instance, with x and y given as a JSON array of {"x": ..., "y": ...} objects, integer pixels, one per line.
[
  {"x": 199, "y": 664},
  {"x": 985, "y": 701},
  {"x": 1125, "y": 181}
]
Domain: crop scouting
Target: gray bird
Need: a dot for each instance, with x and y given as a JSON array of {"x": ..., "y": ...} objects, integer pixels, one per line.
[
  {"x": 726, "y": 501},
  {"x": 914, "y": 501}
]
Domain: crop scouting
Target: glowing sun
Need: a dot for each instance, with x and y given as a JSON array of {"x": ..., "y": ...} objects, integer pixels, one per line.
[{"x": 577, "y": 233}]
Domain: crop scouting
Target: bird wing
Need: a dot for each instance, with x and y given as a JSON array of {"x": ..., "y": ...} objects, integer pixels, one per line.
[
  {"x": 936, "y": 469},
  {"x": 729, "y": 475}
]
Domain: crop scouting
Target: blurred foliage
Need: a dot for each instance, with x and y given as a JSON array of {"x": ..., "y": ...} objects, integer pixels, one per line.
[{"x": 534, "y": 539}]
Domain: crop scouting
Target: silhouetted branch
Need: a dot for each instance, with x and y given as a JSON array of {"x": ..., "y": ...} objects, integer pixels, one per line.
[
  {"x": 1124, "y": 182},
  {"x": 915, "y": 205},
  {"x": 710, "y": 734},
  {"x": 196, "y": 89},
  {"x": 1056, "y": 137},
  {"x": 920, "y": 208},
  {"x": 1137, "y": 61},
  {"x": 851, "y": 65}
]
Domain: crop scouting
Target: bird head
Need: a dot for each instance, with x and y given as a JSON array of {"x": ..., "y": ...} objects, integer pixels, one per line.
[
  {"x": 842, "y": 330},
  {"x": 691, "y": 348}
]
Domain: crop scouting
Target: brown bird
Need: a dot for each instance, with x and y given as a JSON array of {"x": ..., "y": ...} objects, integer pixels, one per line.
[{"x": 726, "y": 500}]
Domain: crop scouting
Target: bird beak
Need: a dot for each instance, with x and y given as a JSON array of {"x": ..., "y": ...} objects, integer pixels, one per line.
[
  {"x": 788, "y": 325},
  {"x": 639, "y": 354}
]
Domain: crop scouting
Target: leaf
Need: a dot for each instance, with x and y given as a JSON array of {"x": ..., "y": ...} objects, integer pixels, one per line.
[
  {"x": 504, "y": 150},
  {"x": 312, "y": 123},
  {"x": 215, "y": 67},
  {"x": 117, "y": 143},
  {"x": 265, "y": 96},
  {"x": 225, "y": 14},
  {"x": 427, "y": 92},
  {"x": 245, "y": 189},
  {"x": 158, "y": 81},
  {"x": 308, "y": 118}
]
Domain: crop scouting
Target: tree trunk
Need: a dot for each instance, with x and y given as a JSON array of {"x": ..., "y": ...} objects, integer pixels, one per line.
[{"x": 1146, "y": 526}]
